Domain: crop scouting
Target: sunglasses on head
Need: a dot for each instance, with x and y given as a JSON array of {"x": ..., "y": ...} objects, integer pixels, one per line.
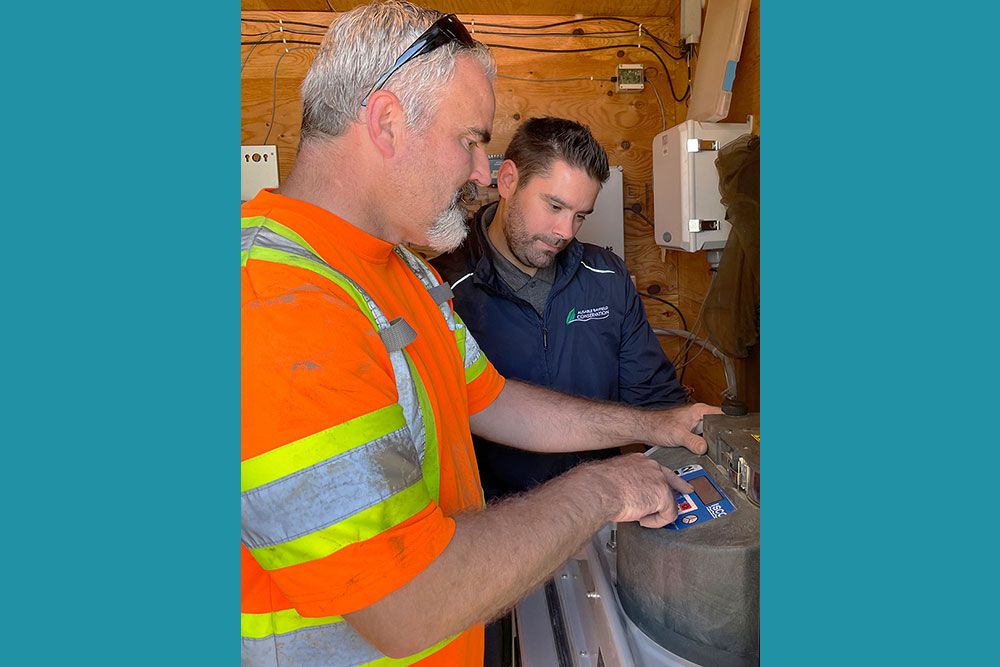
[{"x": 445, "y": 30}]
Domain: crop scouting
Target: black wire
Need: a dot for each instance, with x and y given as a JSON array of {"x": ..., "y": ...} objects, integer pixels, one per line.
[
  {"x": 661, "y": 42},
  {"x": 608, "y": 33},
  {"x": 666, "y": 71},
  {"x": 604, "y": 34},
  {"x": 289, "y": 30},
  {"x": 282, "y": 41},
  {"x": 653, "y": 296},
  {"x": 634, "y": 212},
  {"x": 314, "y": 25},
  {"x": 680, "y": 378}
]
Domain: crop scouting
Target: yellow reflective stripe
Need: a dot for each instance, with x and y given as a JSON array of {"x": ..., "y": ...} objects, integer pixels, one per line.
[
  {"x": 287, "y": 258},
  {"x": 460, "y": 334},
  {"x": 461, "y": 331},
  {"x": 277, "y": 228},
  {"x": 359, "y": 527},
  {"x": 318, "y": 447},
  {"x": 261, "y": 626},
  {"x": 410, "y": 659},
  {"x": 477, "y": 367},
  {"x": 257, "y": 626},
  {"x": 431, "y": 466}
]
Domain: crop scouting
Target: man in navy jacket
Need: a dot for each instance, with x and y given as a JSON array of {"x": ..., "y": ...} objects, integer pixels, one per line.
[{"x": 547, "y": 308}]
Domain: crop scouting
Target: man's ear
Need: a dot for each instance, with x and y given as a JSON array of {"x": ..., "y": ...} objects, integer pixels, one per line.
[
  {"x": 385, "y": 122},
  {"x": 507, "y": 178}
]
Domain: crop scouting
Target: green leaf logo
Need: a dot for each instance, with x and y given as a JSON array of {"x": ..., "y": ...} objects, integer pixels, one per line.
[{"x": 571, "y": 316}]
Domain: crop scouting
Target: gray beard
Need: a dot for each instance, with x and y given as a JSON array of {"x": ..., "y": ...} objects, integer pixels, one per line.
[{"x": 449, "y": 230}]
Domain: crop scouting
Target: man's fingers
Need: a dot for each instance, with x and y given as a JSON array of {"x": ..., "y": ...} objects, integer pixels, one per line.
[
  {"x": 702, "y": 409},
  {"x": 658, "y": 520},
  {"x": 693, "y": 443},
  {"x": 674, "y": 481}
]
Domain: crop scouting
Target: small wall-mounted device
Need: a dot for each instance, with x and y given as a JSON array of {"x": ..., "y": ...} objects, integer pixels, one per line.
[
  {"x": 258, "y": 170},
  {"x": 496, "y": 159},
  {"x": 630, "y": 78}
]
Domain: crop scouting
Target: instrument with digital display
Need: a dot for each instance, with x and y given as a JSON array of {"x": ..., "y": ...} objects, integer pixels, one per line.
[{"x": 707, "y": 502}]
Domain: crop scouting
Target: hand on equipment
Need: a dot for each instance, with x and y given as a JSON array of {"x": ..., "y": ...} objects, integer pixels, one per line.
[
  {"x": 677, "y": 427},
  {"x": 642, "y": 489}
]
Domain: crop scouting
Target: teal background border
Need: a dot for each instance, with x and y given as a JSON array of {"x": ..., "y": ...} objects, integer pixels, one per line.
[
  {"x": 878, "y": 272},
  {"x": 121, "y": 376},
  {"x": 121, "y": 359}
]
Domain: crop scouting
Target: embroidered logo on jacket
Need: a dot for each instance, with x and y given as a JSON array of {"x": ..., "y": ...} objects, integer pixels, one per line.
[{"x": 599, "y": 313}]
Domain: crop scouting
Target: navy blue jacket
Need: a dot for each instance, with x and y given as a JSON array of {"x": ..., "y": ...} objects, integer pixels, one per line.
[{"x": 593, "y": 340}]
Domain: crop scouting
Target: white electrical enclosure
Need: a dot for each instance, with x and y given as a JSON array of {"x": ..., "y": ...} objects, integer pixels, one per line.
[
  {"x": 688, "y": 210},
  {"x": 606, "y": 225}
]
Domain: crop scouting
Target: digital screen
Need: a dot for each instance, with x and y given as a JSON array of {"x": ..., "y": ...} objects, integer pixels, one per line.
[{"x": 705, "y": 490}]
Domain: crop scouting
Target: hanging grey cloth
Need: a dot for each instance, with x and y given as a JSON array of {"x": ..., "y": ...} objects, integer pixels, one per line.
[{"x": 732, "y": 305}]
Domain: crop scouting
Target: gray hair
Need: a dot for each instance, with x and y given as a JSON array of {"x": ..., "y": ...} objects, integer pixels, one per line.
[{"x": 361, "y": 45}]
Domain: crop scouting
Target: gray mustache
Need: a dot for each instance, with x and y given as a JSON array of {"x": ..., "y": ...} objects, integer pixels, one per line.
[{"x": 468, "y": 193}]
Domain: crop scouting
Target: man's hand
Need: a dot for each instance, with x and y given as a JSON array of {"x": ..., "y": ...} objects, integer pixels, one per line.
[
  {"x": 676, "y": 427},
  {"x": 641, "y": 489},
  {"x": 537, "y": 419}
]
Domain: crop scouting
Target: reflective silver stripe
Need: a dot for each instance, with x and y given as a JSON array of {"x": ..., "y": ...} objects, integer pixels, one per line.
[
  {"x": 405, "y": 387},
  {"x": 266, "y": 238},
  {"x": 247, "y": 237},
  {"x": 472, "y": 350},
  {"x": 333, "y": 490},
  {"x": 335, "y": 645},
  {"x": 427, "y": 278},
  {"x": 406, "y": 390},
  {"x": 398, "y": 335}
]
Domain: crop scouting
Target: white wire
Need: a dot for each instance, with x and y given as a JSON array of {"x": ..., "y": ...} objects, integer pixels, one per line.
[{"x": 663, "y": 115}]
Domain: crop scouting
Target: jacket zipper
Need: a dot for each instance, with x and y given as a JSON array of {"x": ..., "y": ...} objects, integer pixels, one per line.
[{"x": 545, "y": 338}]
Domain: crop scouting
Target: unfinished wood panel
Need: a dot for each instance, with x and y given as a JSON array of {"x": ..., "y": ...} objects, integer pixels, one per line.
[
  {"x": 294, "y": 5},
  {"x": 624, "y": 123},
  {"x": 510, "y": 7}
]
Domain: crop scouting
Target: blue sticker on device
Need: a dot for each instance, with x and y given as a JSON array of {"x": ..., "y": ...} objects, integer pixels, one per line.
[{"x": 705, "y": 503}]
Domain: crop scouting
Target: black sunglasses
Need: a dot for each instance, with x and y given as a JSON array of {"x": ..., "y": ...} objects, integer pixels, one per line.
[{"x": 445, "y": 30}]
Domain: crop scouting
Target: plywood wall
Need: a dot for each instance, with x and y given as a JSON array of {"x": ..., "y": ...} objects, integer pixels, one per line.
[{"x": 624, "y": 123}]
